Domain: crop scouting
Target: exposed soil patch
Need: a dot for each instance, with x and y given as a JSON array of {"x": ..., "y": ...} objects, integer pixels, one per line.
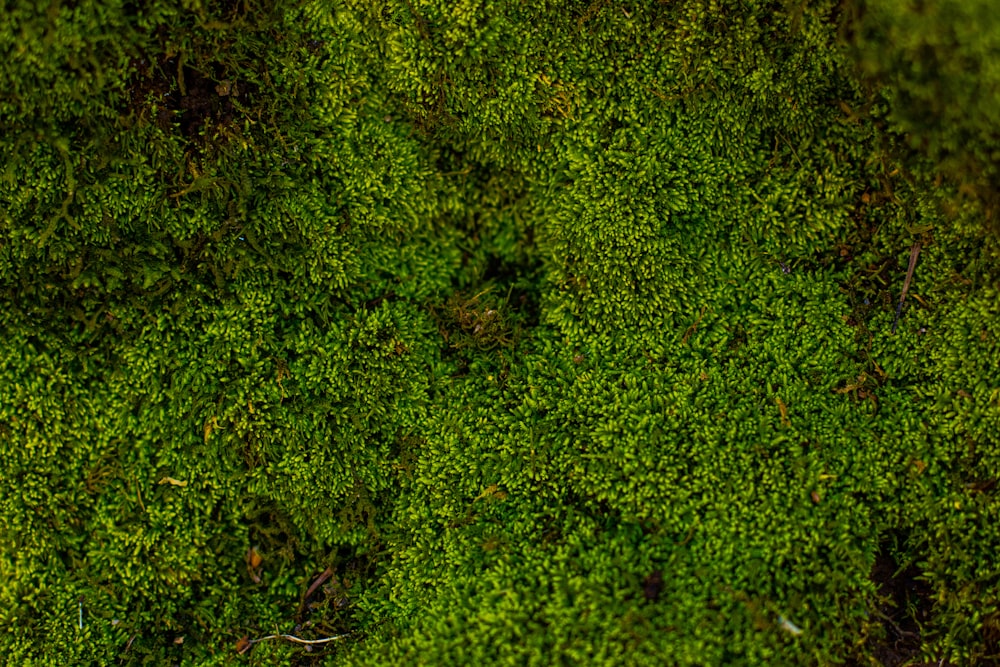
[
  {"x": 199, "y": 104},
  {"x": 904, "y": 607}
]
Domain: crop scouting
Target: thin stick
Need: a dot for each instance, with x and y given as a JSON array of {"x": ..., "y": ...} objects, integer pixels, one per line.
[
  {"x": 292, "y": 638},
  {"x": 327, "y": 573},
  {"x": 914, "y": 253}
]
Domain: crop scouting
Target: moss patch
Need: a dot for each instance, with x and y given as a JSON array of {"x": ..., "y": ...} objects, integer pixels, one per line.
[{"x": 498, "y": 332}]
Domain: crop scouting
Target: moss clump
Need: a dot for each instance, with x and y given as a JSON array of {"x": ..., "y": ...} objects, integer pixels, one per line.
[{"x": 498, "y": 332}]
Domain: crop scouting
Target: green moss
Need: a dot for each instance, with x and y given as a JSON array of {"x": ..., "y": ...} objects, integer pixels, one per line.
[{"x": 520, "y": 333}]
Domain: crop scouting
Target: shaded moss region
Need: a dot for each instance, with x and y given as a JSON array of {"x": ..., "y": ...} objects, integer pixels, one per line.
[{"x": 493, "y": 332}]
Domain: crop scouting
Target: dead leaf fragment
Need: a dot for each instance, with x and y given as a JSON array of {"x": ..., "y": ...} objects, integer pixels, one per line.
[
  {"x": 491, "y": 492},
  {"x": 172, "y": 482},
  {"x": 211, "y": 425},
  {"x": 243, "y": 644},
  {"x": 254, "y": 563},
  {"x": 784, "y": 411}
]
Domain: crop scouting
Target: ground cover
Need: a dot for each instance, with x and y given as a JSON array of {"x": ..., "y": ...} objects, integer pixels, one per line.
[{"x": 528, "y": 333}]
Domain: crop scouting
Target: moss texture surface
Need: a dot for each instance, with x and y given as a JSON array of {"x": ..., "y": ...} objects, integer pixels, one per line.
[{"x": 499, "y": 332}]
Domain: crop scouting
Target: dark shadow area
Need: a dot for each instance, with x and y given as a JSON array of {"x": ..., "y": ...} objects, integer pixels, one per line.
[
  {"x": 198, "y": 103},
  {"x": 903, "y": 606}
]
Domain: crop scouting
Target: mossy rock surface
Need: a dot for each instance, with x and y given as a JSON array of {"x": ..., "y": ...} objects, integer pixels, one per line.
[{"x": 497, "y": 332}]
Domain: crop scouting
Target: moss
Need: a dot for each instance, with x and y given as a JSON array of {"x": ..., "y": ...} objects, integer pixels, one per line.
[{"x": 498, "y": 332}]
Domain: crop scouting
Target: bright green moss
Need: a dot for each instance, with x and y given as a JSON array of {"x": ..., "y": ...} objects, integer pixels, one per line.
[{"x": 551, "y": 333}]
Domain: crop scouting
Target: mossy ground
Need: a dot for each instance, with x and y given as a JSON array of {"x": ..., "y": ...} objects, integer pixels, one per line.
[{"x": 499, "y": 333}]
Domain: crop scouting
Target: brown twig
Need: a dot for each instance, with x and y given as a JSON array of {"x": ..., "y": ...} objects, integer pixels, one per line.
[
  {"x": 693, "y": 328},
  {"x": 319, "y": 581},
  {"x": 914, "y": 253}
]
